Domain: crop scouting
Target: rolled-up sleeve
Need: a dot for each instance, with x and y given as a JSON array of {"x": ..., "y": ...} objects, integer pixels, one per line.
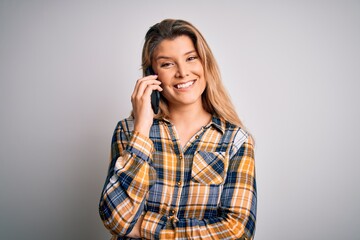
[{"x": 129, "y": 179}]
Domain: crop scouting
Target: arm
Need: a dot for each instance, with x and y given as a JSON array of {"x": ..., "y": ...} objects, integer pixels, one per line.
[
  {"x": 130, "y": 175},
  {"x": 129, "y": 178},
  {"x": 237, "y": 213}
]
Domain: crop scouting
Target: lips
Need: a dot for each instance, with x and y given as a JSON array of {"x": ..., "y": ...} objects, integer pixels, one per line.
[{"x": 184, "y": 85}]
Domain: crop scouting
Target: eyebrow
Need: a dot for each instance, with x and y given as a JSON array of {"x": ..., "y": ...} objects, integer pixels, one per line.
[{"x": 165, "y": 57}]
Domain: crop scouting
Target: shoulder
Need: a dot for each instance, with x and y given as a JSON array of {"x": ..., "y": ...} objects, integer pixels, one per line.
[
  {"x": 125, "y": 126},
  {"x": 240, "y": 137},
  {"x": 239, "y": 134}
]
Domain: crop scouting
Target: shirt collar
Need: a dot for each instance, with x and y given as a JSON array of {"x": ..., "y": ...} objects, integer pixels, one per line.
[{"x": 216, "y": 122}]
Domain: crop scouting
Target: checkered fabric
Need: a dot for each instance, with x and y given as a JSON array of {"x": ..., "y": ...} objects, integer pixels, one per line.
[{"x": 203, "y": 190}]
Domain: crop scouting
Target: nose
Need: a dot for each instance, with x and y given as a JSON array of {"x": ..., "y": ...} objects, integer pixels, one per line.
[{"x": 182, "y": 71}]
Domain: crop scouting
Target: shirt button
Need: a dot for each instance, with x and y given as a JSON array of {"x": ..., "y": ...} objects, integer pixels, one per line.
[
  {"x": 179, "y": 183},
  {"x": 180, "y": 157},
  {"x": 173, "y": 211},
  {"x": 197, "y": 136}
]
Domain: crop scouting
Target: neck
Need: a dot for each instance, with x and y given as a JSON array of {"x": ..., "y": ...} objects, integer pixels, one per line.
[{"x": 189, "y": 116}]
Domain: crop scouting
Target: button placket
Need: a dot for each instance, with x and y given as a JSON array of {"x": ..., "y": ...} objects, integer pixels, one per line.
[{"x": 173, "y": 218}]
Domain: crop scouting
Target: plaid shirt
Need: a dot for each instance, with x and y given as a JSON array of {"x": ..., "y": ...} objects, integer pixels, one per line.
[{"x": 206, "y": 190}]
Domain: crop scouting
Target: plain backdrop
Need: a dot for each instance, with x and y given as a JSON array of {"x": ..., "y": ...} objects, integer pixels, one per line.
[{"x": 68, "y": 68}]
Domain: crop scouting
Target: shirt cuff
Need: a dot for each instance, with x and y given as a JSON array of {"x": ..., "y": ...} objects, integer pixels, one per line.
[
  {"x": 141, "y": 146},
  {"x": 152, "y": 224}
]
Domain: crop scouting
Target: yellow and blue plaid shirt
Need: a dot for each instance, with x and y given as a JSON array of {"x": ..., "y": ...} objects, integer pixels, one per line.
[{"x": 205, "y": 190}]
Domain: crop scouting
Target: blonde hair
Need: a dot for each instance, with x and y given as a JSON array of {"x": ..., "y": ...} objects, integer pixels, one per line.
[{"x": 215, "y": 97}]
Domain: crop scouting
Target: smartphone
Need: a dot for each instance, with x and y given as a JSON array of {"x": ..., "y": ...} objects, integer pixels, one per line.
[{"x": 155, "y": 95}]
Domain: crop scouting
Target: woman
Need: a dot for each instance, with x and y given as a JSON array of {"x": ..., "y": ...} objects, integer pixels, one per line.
[{"x": 187, "y": 172}]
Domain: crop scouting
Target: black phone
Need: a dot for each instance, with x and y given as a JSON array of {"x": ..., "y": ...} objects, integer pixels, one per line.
[{"x": 155, "y": 95}]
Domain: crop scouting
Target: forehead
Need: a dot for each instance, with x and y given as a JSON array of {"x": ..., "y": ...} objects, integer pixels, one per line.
[{"x": 177, "y": 46}]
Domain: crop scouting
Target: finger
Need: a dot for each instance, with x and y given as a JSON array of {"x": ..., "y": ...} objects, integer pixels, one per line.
[
  {"x": 139, "y": 81},
  {"x": 142, "y": 84},
  {"x": 150, "y": 77},
  {"x": 145, "y": 96},
  {"x": 146, "y": 80},
  {"x": 150, "y": 89}
]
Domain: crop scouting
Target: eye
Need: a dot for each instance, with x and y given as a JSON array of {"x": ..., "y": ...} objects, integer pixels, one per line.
[
  {"x": 192, "y": 58},
  {"x": 166, "y": 64}
]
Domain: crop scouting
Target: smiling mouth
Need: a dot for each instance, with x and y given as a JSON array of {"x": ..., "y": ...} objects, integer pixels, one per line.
[{"x": 184, "y": 85}]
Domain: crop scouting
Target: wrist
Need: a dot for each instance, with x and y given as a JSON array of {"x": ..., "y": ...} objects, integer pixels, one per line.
[
  {"x": 142, "y": 130},
  {"x": 136, "y": 231}
]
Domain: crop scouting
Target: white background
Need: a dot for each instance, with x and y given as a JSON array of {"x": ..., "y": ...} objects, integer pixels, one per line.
[{"x": 67, "y": 70}]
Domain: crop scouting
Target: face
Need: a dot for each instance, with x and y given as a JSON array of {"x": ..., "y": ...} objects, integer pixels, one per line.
[{"x": 181, "y": 72}]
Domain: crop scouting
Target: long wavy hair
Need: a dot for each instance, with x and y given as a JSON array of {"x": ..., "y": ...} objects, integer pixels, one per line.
[{"x": 215, "y": 98}]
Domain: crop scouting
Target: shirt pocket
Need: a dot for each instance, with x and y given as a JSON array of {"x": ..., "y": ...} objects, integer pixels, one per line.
[{"x": 208, "y": 167}]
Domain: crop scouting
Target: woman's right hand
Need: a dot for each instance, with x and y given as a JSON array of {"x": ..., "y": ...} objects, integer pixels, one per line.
[{"x": 141, "y": 102}]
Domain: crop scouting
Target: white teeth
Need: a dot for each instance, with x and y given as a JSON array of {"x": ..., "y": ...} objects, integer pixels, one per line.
[{"x": 184, "y": 85}]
